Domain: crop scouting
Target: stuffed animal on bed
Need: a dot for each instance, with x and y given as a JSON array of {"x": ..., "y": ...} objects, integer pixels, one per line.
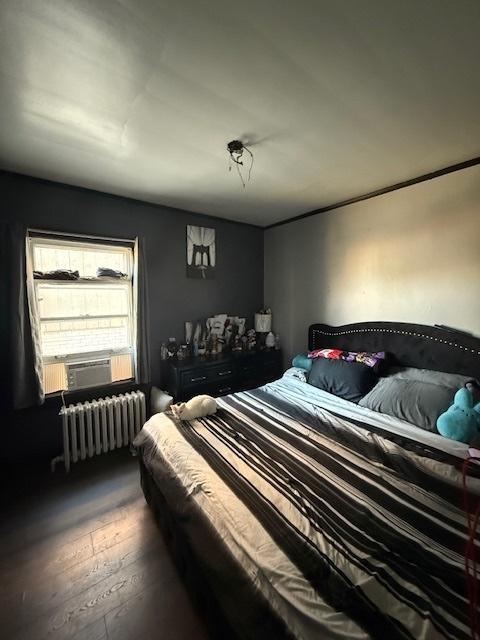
[
  {"x": 197, "y": 407},
  {"x": 461, "y": 421}
]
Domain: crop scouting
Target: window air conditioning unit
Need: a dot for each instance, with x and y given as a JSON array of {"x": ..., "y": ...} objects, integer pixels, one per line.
[{"x": 88, "y": 374}]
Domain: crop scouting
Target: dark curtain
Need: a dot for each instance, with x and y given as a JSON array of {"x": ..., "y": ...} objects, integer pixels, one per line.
[
  {"x": 21, "y": 366},
  {"x": 142, "y": 356}
]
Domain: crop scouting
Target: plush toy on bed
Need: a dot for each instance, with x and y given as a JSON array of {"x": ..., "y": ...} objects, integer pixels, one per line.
[
  {"x": 461, "y": 421},
  {"x": 197, "y": 407}
]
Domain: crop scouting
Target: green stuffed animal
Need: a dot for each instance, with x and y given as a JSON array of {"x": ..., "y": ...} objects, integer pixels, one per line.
[{"x": 461, "y": 421}]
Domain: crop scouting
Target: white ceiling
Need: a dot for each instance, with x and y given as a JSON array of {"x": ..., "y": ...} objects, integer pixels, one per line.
[{"x": 140, "y": 97}]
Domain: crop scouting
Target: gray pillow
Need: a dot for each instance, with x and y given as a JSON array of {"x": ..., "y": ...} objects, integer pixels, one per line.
[
  {"x": 452, "y": 380},
  {"x": 419, "y": 403}
]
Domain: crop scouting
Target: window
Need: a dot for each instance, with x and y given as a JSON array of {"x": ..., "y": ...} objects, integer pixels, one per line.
[{"x": 86, "y": 324}]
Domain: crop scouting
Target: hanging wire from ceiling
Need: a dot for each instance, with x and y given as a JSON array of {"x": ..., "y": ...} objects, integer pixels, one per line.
[{"x": 235, "y": 149}]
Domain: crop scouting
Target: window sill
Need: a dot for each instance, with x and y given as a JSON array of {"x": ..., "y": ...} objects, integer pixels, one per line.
[
  {"x": 92, "y": 280},
  {"x": 90, "y": 393}
]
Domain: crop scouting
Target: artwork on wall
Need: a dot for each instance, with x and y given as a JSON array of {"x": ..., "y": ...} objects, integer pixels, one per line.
[{"x": 201, "y": 252}]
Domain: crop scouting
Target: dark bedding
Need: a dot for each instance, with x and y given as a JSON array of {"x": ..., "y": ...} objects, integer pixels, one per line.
[{"x": 311, "y": 517}]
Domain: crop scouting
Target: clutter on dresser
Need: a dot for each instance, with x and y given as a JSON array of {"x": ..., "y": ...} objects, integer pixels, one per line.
[
  {"x": 163, "y": 351},
  {"x": 189, "y": 337},
  {"x": 270, "y": 340},
  {"x": 263, "y": 327},
  {"x": 251, "y": 339},
  {"x": 217, "y": 334},
  {"x": 172, "y": 347},
  {"x": 183, "y": 352},
  {"x": 222, "y": 333},
  {"x": 263, "y": 321}
]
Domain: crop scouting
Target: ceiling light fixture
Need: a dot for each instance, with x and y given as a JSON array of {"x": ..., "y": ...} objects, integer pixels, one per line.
[{"x": 236, "y": 149}]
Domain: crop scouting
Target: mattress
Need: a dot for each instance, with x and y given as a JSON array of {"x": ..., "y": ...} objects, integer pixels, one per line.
[{"x": 348, "y": 523}]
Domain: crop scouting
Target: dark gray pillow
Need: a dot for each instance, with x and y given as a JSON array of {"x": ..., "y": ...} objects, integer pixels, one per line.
[
  {"x": 452, "y": 380},
  {"x": 419, "y": 403},
  {"x": 348, "y": 380}
]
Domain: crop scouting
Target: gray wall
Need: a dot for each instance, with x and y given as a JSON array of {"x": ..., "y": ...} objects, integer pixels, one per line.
[
  {"x": 411, "y": 255},
  {"x": 238, "y": 285}
]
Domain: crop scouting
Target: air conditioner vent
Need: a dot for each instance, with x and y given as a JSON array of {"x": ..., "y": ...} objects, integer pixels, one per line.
[{"x": 87, "y": 374}]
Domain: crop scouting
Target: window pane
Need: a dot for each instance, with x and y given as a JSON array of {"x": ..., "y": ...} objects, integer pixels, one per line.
[
  {"x": 81, "y": 258},
  {"x": 82, "y": 336},
  {"x": 80, "y": 300},
  {"x": 87, "y": 318}
]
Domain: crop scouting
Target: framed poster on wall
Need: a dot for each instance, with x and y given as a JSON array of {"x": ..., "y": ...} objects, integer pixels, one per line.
[{"x": 201, "y": 252}]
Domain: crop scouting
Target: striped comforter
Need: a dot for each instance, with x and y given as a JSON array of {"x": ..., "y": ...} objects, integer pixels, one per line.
[{"x": 349, "y": 523}]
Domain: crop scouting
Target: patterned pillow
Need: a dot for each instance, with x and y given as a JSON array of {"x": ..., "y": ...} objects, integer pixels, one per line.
[
  {"x": 364, "y": 357},
  {"x": 330, "y": 354}
]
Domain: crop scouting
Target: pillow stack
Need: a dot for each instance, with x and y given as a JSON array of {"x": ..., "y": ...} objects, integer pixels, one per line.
[
  {"x": 418, "y": 396},
  {"x": 347, "y": 374}
]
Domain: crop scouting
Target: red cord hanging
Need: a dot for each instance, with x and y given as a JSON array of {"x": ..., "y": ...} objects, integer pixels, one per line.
[{"x": 471, "y": 572}]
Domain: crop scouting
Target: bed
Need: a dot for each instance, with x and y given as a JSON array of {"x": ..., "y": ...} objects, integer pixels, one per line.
[{"x": 292, "y": 513}]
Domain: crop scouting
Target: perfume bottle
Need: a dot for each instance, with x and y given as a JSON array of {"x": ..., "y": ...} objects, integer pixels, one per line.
[{"x": 163, "y": 351}]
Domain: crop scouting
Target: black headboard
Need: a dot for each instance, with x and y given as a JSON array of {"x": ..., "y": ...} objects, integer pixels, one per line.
[{"x": 409, "y": 345}]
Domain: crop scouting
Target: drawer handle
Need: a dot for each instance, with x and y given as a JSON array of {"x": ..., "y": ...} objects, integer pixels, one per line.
[
  {"x": 224, "y": 389},
  {"x": 224, "y": 373},
  {"x": 199, "y": 379}
]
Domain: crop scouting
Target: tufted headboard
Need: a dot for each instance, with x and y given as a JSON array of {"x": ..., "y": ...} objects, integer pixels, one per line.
[{"x": 409, "y": 345}]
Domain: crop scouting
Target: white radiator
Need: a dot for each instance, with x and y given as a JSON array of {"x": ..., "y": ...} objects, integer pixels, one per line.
[{"x": 95, "y": 427}]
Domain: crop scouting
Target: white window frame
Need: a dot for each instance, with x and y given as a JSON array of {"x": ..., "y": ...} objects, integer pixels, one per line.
[{"x": 86, "y": 356}]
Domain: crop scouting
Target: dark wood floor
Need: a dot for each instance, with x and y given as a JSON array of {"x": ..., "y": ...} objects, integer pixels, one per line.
[{"x": 82, "y": 558}]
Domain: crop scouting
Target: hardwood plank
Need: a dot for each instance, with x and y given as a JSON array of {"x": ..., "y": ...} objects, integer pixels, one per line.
[
  {"x": 22, "y": 565},
  {"x": 37, "y": 600},
  {"x": 63, "y": 516},
  {"x": 135, "y": 523},
  {"x": 92, "y": 604},
  {"x": 77, "y": 549},
  {"x": 95, "y": 631},
  {"x": 160, "y": 611},
  {"x": 51, "y": 561}
]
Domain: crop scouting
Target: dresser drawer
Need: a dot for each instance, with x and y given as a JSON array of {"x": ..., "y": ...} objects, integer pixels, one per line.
[
  {"x": 194, "y": 377},
  {"x": 247, "y": 369},
  {"x": 271, "y": 369},
  {"x": 221, "y": 372},
  {"x": 221, "y": 375},
  {"x": 271, "y": 362},
  {"x": 207, "y": 375},
  {"x": 222, "y": 388}
]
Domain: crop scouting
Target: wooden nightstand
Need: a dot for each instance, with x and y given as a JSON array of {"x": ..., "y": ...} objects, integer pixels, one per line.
[{"x": 221, "y": 374}]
